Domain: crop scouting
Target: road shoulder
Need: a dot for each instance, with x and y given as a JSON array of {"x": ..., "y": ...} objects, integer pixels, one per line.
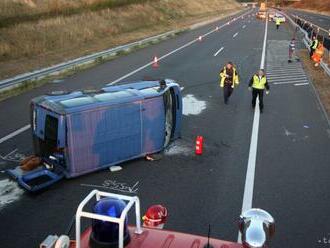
[{"x": 320, "y": 81}]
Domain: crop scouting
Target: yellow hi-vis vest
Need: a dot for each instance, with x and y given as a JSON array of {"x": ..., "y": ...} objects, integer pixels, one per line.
[
  {"x": 315, "y": 44},
  {"x": 259, "y": 83},
  {"x": 278, "y": 21},
  {"x": 223, "y": 77}
]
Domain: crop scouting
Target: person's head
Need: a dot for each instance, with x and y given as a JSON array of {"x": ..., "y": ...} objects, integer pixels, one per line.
[
  {"x": 293, "y": 39},
  {"x": 261, "y": 73},
  {"x": 229, "y": 65}
]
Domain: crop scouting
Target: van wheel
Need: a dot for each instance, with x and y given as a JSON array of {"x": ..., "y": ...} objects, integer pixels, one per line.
[{"x": 168, "y": 127}]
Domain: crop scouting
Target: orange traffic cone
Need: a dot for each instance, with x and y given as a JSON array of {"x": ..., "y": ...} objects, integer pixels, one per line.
[{"x": 155, "y": 63}]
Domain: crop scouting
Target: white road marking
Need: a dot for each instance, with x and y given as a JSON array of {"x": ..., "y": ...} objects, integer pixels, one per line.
[
  {"x": 296, "y": 73},
  {"x": 279, "y": 77},
  {"x": 244, "y": 26},
  {"x": 300, "y": 84},
  {"x": 293, "y": 65},
  {"x": 219, "y": 51},
  {"x": 286, "y": 68},
  {"x": 235, "y": 35},
  {"x": 15, "y": 133},
  {"x": 287, "y": 78},
  {"x": 291, "y": 82},
  {"x": 250, "y": 173},
  {"x": 283, "y": 71}
]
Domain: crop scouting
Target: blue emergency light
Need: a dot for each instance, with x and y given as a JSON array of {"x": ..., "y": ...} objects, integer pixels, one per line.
[{"x": 104, "y": 233}]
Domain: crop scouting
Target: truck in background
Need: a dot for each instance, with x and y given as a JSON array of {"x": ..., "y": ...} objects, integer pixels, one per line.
[{"x": 262, "y": 13}]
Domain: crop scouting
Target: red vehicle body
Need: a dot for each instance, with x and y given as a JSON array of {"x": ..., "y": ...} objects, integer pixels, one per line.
[
  {"x": 154, "y": 238},
  {"x": 109, "y": 227}
]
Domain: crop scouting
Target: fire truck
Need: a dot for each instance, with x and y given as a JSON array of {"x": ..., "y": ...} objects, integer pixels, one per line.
[{"x": 109, "y": 227}]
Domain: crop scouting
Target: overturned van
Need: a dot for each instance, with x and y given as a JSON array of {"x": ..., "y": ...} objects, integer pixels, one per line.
[{"x": 80, "y": 132}]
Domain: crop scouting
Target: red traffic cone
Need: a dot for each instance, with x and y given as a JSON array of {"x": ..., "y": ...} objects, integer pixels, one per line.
[
  {"x": 199, "y": 145},
  {"x": 155, "y": 63}
]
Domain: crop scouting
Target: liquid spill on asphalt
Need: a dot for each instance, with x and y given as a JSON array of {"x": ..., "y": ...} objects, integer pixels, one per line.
[
  {"x": 9, "y": 192},
  {"x": 179, "y": 147},
  {"x": 192, "y": 106}
]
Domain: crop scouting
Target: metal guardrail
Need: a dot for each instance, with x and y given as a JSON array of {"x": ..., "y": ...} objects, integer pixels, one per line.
[
  {"x": 307, "y": 38},
  {"x": 38, "y": 74}
]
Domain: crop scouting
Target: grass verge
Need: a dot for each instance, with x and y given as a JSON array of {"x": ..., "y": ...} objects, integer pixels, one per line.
[
  {"x": 30, "y": 45},
  {"x": 320, "y": 80}
]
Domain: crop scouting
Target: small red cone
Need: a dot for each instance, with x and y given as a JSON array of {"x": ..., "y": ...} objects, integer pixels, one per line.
[{"x": 155, "y": 63}]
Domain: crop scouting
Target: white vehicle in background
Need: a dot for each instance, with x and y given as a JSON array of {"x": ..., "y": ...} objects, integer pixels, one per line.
[
  {"x": 271, "y": 15},
  {"x": 278, "y": 16}
]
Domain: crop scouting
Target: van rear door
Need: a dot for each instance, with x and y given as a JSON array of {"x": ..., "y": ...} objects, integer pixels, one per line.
[{"x": 49, "y": 141}]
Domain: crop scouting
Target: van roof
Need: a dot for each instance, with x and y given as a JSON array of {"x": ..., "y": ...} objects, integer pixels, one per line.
[{"x": 69, "y": 102}]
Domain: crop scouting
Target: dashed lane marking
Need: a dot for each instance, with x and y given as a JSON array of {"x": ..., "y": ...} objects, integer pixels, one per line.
[
  {"x": 219, "y": 51},
  {"x": 235, "y": 35}
]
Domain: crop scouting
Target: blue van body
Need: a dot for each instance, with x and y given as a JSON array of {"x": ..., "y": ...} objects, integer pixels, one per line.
[{"x": 81, "y": 132}]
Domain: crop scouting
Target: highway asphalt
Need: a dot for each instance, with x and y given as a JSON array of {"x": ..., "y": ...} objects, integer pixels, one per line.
[{"x": 292, "y": 168}]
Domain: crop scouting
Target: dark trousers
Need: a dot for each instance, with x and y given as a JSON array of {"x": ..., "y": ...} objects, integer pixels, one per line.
[
  {"x": 227, "y": 91},
  {"x": 258, "y": 93},
  {"x": 277, "y": 26},
  {"x": 311, "y": 52}
]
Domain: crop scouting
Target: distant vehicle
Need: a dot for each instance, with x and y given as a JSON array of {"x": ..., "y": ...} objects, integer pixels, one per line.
[
  {"x": 261, "y": 14},
  {"x": 263, "y": 6},
  {"x": 80, "y": 132},
  {"x": 271, "y": 15},
  {"x": 280, "y": 17}
]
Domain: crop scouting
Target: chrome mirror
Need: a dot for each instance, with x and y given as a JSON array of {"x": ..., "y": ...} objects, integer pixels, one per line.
[{"x": 257, "y": 227}]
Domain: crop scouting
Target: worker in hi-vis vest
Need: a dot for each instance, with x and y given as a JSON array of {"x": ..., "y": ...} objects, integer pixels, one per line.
[
  {"x": 258, "y": 84},
  {"x": 277, "y": 22},
  {"x": 228, "y": 80},
  {"x": 314, "y": 44}
]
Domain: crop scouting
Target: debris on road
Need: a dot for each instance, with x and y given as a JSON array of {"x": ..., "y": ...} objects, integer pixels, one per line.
[
  {"x": 30, "y": 163},
  {"x": 153, "y": 157},
  {"x": 115, "y": 168}
]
